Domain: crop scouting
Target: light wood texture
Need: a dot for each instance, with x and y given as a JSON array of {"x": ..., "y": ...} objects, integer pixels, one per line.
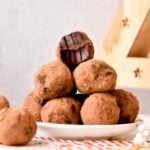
[
  {"x": 133, "y": 72},
  {"x": 127, "y": 41},
  {"x": 141, "y": 45}
]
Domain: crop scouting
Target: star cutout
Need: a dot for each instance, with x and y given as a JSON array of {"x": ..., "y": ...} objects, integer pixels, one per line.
[
  {"x": 137, "y": 72},
  {"x": 125, "y": 22}
]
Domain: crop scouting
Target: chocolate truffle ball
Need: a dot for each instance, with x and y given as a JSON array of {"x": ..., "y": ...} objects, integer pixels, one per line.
[
  {"x": 3, "y": 102},
  {"x": 64, "y": 110},
  {"x": 129, "y": 105},
  {"x": 94, "y": 76},
  {"x": 17, "y": 126},
  {"x": 53, "y": 80},
  {"x": 33, "y": 105},
  {"x": 100, "y": 108},
  {"x": 75, "y": 48}
]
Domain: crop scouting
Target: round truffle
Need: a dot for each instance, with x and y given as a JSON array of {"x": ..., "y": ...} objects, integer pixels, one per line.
[
  {"x": 94, "y": 76},
  {"x": 129, "y": 105},
  {"x": 75, "y": 48},
  {"x": 17, "y": 126},
  {"x": 33, "y": 105},
  {"x": 100, "y": 108},
  {"x": 3, "y": 102},
  {"x": 53, "y": 80},
  {"x": 64, "y": 110}
]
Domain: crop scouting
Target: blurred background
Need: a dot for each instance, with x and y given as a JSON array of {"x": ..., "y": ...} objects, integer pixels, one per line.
[{"x": 31, "y": 29}]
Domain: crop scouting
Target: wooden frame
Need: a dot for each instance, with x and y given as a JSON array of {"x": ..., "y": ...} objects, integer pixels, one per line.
[{"x": 127, "y": 44}]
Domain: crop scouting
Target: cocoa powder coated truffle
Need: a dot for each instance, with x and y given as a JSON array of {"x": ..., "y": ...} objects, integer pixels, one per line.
[
  {"x": 94, "y": 76},
  {"x": 32, "y": 104},
  {"x": 53, "y": 80},
  {"x": 64, "y": 110},
  {"x": 75, "y": 48},
  {"x": 100, "y": 108},
  {"x": 3, "y": 102},
  {"x": 129, "y": 105},
  {"x": 17, "y": 126}
]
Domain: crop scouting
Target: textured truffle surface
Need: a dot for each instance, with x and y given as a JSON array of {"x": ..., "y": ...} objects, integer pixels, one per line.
[
  {"x": 100, "y": 108},
  {"x": 129, "y": 105},
  {"x": 94, "y": 76},
  {"x": 64, "y": 110},
  {"x": 53, "y": 80},
  {"x": 3, "y": 102},
  {"x": 17, "y": 126},
  {"x": 33, "y": 105}
]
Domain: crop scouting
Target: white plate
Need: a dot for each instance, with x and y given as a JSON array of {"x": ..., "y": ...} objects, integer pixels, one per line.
[{"x": 67, "y": 131}]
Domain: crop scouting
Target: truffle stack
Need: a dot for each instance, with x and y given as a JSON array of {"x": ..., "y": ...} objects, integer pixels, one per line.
[
  {"x": 105, "y": 105},
  {"x": 54, "y": 98},
  {"x": 96, "y": 78}
]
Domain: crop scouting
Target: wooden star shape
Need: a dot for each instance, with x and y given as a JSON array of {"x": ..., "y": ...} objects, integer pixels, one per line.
[
  {"x": 125, "y": 22},
  {"x": 137, "y": 73}
]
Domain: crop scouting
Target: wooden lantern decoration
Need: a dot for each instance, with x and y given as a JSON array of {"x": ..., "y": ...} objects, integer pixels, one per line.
[{"x": 127, "y": 44}]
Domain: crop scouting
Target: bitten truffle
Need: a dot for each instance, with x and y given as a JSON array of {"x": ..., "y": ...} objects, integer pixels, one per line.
[
  {"x": 75, "y": 48},
  {"x": 33, "y": 105},
  {"x": 129, "y": 105},
  {"x": 64, "y": 110},
  {"x": 53, "y": 80},
  {"x": 17, "y": 126},
  {"x": 100, "y": 108},
  {"x": 3, "y": 102},
  {"x": 94, "y": 76}
]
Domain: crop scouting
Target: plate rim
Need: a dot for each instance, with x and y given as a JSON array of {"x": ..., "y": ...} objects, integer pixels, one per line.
[{"x": 138, "y": 121}]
